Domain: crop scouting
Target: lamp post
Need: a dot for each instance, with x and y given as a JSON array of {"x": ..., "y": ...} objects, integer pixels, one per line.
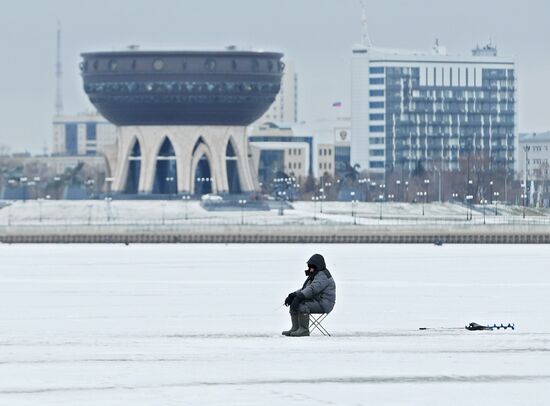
[
  {"x": 484, "y": 203},
  {"x": 108, "y": 203},
  {"x": 352, "y": 194},
  {"x": 526, "y": 148},
  {"x": 381, "y": 199},
  {"x": 426, "y": 184},
  {"x": 40, "y": 201},
  {"x": 469, "y": 198},
  {"x": 169, "y": 181},
  {"x": 321, "y": 191},
  {"x": 422, "y": 196},
  {"x": 163, "y": 207},
  {"x": 242, "y": 203},
  {"x": 524, "y": 196},
  {"x": 23, "y": 183},
  {"x": 186, "y": 198},
  {"x": 495, "y": 196},
  {"x": 398, "y": 187},
  {"x": 282, "y": 195},
  {"x": 314, "y": 200},
  {"x": 406, "y": 191},
  {"x": 109, "y": 182},
  {"x": 36, "y": 181}
]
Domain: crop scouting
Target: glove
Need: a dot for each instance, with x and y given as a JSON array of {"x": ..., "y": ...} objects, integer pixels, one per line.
[
  {"x": 290, "y": 298},
  {"x": 296, "y": 302}
]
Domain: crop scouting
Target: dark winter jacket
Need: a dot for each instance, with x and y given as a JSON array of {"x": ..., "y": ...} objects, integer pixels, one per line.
[{"x": 319, "y": 286}]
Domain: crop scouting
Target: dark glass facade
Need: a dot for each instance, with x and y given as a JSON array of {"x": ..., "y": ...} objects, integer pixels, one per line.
[
  {"x": 437, "y": 125},
  {"x": 341, "y": 159},
  {"x": 71, "y": 139}
]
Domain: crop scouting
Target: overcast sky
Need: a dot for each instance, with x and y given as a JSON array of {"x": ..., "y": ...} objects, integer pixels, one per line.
[{"x": 316, "y": 34}]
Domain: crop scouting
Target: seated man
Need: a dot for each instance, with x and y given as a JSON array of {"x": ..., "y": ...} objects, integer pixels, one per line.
[{"x": 318, "y": 295}]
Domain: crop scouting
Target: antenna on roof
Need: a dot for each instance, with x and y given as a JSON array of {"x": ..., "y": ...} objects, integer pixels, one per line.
[
  {"x": 365, "y": 38},
  {"x": 58, "y": 75}
]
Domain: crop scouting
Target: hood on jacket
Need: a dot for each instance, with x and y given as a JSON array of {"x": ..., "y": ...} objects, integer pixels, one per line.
[{"x": 317, "y": 261}]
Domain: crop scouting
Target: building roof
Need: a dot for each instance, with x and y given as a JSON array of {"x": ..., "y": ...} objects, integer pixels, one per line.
[
  {"x": 441, "y": 56},
  {"x": 535, "y": 137}
]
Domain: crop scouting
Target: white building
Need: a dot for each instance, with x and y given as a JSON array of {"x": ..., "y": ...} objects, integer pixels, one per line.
[
  {"x": 536, "y": 147},
  {"x": 430, "y": 108},
  {"x": 83, "y": 134},
  {"x": 285, "y": 107}
]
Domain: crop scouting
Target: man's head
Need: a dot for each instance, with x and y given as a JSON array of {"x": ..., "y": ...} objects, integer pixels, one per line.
[{"x": 315, "y": 263}]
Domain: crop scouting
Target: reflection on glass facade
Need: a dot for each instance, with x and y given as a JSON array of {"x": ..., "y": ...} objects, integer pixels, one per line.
[
  {"x": 438, "y": 124},
  {"x": 166, "y": 174},
  {"x": 341, "y": 159},
  {"x": 272, "y": 163},
  {"x": 432, "y": 109},
  {"x": 71, "y": 139}
]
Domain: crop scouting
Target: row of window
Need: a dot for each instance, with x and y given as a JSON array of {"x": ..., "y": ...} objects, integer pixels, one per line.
[
  {"x": 376, "y": 117},
  {"x": 294, "y": 151},
  {"x": 294, "y": 165},
  {"x": 376, "y": 105},
  {"x": 376, "y": 81},
  {"x": 325, "y": 151},
  {"x": 376, "y": 69},
  {"x": 376, "y": 93},
  {"x": 537, "y": 148},
  {"x": 376, "y": 128},
  {"x": 376, "y": 164},
  {"x": 210, "y": 64},
  {"x": 376, "y": 152},
  {"x": 325, "y": 165},
  {"x": 376, "y": 140}
]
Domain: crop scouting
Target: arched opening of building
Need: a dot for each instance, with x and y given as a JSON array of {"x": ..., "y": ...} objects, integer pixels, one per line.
[
  {"x": 166, "y": 179},
  {"x": 231, "y": 165},
  {"x": 134, "y": 169},
  {"x": 203, "y": 177}
]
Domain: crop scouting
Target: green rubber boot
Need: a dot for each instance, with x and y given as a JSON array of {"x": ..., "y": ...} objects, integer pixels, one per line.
[
  {"x": 294, "y": 318},
  {"x": 303, "y": 326}
]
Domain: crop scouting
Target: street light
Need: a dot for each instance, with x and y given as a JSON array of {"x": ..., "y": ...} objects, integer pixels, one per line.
[
  {"x": 352, "y": 194},
  {"x": 314, "y": 199},
  {"x": 108, "y": 203},
  {"x": 381, "y": 199},
  {"x": 484, "y": 203},
  {"x": 40, "y": 210},
  {"x": 469, "y": 198},
  {"x": 496, "y": 195},
  {"x": 169, "y": 180},
  {"x": 186, "y": 198},
  {"x": 426, "y": 184},
  {"x": 242, "y": 203},
  {"x": 422, "y": 196},
  {"x": 398, "y": 187},
  {"x": 524, "y": 196},
  {"x": 321, "y": 191}
]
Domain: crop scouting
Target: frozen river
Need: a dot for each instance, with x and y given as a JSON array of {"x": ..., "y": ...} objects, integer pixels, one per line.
[{"x": 200, "y": 325}]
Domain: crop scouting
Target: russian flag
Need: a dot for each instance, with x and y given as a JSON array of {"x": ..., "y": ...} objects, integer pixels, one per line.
[{"x": 337, "y": 104}]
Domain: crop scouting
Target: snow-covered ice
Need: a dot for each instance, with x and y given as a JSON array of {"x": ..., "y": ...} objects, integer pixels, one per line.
[{"x": 200, "y": 324}]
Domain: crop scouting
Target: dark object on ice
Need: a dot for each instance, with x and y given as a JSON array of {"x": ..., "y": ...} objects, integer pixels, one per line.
[
  {"x": 438, "y": 242},
  {"x": 476, "y": 327},
  {"x": 317, "y": 295}
]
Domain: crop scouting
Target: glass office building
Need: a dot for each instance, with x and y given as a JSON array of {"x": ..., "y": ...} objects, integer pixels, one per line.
[{"x": 431, "y": 109}]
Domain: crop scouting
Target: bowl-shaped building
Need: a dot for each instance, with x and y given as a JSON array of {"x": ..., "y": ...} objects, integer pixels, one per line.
[{"x": 182, "y": 88}]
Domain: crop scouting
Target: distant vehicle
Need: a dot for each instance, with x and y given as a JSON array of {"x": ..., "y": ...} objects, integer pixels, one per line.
[{"x": 209, "y": 197}]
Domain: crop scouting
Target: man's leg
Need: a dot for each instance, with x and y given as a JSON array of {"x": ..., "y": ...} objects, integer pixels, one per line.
[
  {"x": 294, "y": 319},
  {"x": 306, "y": 307}
]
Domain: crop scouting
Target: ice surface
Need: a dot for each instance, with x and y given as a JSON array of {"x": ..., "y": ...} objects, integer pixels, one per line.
[{"x": 200, "y": 325}]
